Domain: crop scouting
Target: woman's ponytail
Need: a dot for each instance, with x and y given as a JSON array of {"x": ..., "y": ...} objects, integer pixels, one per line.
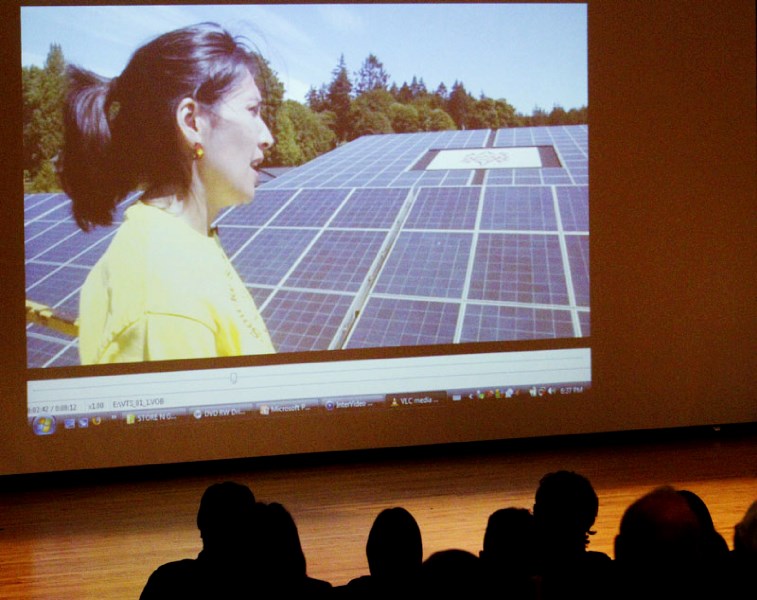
[{"x": 86, "y": 164}]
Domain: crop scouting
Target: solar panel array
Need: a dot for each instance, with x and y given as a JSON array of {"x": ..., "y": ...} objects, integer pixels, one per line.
[{"x": 363, "y": 248}]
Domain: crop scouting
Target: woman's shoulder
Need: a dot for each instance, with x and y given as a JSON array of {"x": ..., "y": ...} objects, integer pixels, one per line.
[{"x": 158, "y": 245}]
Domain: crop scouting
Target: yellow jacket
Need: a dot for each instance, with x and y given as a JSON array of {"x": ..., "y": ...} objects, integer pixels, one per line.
[{"x": 164, "y": 291}]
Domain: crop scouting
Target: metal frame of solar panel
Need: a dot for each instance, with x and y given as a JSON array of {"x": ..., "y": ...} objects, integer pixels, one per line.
[{"x": 360, "y": 249}]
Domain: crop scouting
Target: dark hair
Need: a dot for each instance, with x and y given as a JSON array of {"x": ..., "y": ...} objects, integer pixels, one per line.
[
  {"x": 225, "y": 508},
  {"x": 395, "y": 546},
  {"x": 566, "y": 505},
  {"x": 121, "y": 134}
]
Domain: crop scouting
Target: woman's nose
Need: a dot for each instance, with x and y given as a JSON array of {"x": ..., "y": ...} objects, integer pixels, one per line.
[{"x": 266, "y": 139}]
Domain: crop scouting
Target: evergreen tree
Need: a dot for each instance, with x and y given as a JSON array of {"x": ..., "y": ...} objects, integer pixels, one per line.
[
  {"x": 459, "y": 105},
  {"x": 405, "y": 94},
  {"x": 372, "y": 76},
  {"x": 339, "y": 99},
  {"x": 317, "y": 100},
  {"x": 417, "y": 88},
  {"x": 440, "y": 97}
]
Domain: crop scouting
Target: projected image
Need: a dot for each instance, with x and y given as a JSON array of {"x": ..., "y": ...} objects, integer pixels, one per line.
[{"x": 427, "y": 183}]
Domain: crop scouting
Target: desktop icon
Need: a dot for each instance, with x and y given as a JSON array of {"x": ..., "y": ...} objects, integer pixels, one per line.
[
  {"x": 265, "y": 410},
  {"x": 83, "y": 422},
  {"x": 44, "y": 425},
  {"x": 69, "y": 423},
  {"x": 131, "y": 419},
  {"x": 197, "y": 414},
  {"x": 97, "y": 421},
  {"x": 509, "y": 393}
]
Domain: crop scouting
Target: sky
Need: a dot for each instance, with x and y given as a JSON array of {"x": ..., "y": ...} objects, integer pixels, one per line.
[{"x": 528, "y": 54}]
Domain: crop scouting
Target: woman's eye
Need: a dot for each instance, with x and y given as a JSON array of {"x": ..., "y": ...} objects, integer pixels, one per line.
[{"x": 255, "y": 110}]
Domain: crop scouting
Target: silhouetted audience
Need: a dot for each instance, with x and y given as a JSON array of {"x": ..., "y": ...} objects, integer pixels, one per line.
[
  {"x": 667, "y": 546},
  {"x": 508, "y": 558},
  {"x": 279, "y": 558},
  {"x": 453, "y": 573},
  {"x": 565, "y": 508},
  {"x": 744, "y": 554},
  {"x": 395, "y": 553},
  {"x": 221, "y": 570}
]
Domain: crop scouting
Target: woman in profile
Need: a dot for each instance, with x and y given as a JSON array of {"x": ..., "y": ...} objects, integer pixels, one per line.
[{"x": 183, "y": 124}]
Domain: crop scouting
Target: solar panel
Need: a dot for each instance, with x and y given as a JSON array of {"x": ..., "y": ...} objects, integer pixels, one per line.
[{"x": 363, "y": 247}]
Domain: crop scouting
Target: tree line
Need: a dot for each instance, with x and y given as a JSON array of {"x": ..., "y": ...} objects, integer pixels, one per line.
[{"x": 341, "y": 110}]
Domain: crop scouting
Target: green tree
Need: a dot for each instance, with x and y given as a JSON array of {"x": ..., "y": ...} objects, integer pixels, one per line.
[
  {"x": 441, "y": 95},
  {"x": 404, "y": 94},
  {"x": 365, "y": 121},
  {"x": 418, "y": 88},
  {"x": 372, "y": 76},
  {"x": 317, "y": 100},
  {"x": 42, "y": 114},
  {"x": 286, "y": 151},
  {"x": 339, "y": 99},
  {"x": 272, "y": 91},
  {"x": 538, "y": 117},
  {"x": 460, "y": 105},
  {"x": 301, "y": 135},
  {"x": 404, "y": 118},
  {"x": 437, "y": 120}
]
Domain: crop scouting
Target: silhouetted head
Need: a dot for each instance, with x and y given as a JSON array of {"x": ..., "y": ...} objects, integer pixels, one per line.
[
  {"x": 715, "y": 546},
  {"x": 509, "y": 540},
  {"x": 226, "y": 515},
  {"x": 394, "y": 547},
  {"x": 133, "y": 131},
  {"x": 279, "y": 543},
  {"x": 659, "y": 531},
  {"x": 745, "y": 535},
  {"x": 565, "y": 509},
  {"x": 452, "y": 573}
]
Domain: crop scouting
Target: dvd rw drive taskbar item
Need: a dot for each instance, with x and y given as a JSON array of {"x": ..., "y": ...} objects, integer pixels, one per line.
[{"x": 67, "y": 405}]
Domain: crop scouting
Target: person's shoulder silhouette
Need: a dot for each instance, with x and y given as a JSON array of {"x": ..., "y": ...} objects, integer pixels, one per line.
[{"x": 226, "y": 520}]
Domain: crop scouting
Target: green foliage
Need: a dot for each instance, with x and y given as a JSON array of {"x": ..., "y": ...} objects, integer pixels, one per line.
[
  {"x": 436, "y": 120},
  {"x": 272, "y": 91},
  {"x": 404, "y": 118},
  {"x": 364, "y": 121},
  {"x": 42, "y": 115},
  {"x": 301, "y": 135},
  {"x": 460, "y": 105},
  {"x": 490, "y": 114},
  {"x": 46, "y": 179},
  {"x": 318, "y": 100},
  {"x": 374, "y": 106}
]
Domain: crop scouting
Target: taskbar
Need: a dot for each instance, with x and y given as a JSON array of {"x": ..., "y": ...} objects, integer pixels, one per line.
[{"x": 49, "y": 423}]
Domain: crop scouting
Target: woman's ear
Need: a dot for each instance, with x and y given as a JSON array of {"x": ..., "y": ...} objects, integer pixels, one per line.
[{"x": 189, "y": 120}]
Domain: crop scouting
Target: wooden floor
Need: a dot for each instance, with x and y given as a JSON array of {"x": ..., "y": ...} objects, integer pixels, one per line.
[{"x": 99, "y": 535}]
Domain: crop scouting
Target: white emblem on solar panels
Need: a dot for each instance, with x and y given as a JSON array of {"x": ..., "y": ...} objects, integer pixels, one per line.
[{"x": 487, "y": 158}]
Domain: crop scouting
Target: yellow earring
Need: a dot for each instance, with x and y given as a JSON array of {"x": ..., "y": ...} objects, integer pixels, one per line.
[{"x": 198, "y": 151}]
